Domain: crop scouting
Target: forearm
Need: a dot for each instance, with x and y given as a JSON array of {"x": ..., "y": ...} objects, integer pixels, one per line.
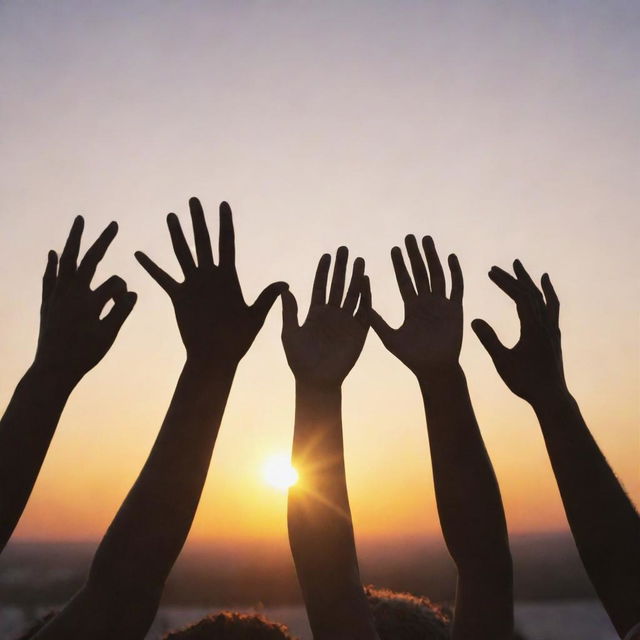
[
  {"x": 467, "y": 493},
  {"x": 470, "y": 510},
  {"x": 26, "y": 430},
  {"x": 604, "y": 522},
  {"x": 150, "y": 528},
  {"x": 319, "y": 519}
]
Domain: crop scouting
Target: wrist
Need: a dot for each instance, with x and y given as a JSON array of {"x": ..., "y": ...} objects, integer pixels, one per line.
[
  {"x": 53, "y": 377},
  {"x": 440, "y": 377},
  {"x": 315, "y": 388},
  {"x": 211, "y": 367},
  {"x": 551, "y": 400}
]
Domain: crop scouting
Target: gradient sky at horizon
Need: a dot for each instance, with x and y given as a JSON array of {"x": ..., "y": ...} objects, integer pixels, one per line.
[{"x": 503, "y": 129}]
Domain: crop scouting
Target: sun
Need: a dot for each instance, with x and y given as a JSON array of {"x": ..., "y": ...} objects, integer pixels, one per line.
[{"x": 278, "y": 472}]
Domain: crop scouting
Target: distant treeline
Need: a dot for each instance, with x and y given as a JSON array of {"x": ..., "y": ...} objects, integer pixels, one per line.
[{"x": 546, "y": 568}]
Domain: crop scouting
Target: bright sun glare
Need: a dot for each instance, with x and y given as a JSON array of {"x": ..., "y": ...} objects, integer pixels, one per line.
[{"x": 279, "y": 473}]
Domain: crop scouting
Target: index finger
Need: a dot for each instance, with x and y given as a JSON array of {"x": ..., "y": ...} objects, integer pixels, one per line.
[
  {"x": 510, "y": 285},
  {"x": 96, "y": 252}
]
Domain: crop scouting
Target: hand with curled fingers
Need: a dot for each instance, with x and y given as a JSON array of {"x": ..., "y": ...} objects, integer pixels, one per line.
[
  {"x": 324, "y": 349},
  {"x": 430, "y": 337},
  {"x": 533, "y": 366},
  {"x": 216, "y": 324},
  {"x": 73, "y": 336}
]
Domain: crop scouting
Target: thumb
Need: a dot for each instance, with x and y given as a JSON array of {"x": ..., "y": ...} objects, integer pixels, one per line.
[
  {"x": 380, "y": 326},
  {"x": 289, "y": 311},
  {"x": 265, "y": 300},
  {"x": 488, "y": 338}
]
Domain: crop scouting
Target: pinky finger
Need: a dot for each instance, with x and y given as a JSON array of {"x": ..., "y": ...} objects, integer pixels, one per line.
[
  {"x": 457, "y": 281},
  {"x": 158, "y": 274},
  {"x": 551, "y": 298},
  {"x": 49, "y": 277}
]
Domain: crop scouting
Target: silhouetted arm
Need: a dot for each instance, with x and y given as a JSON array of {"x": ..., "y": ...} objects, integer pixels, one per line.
[
  {"x": 321, "y": 353},
  {"x": 467, "y": 493},
  {"x": 604, "y": 523},
  {"x": 133, "y": 561},
  {"x": 73, "y": 339}
]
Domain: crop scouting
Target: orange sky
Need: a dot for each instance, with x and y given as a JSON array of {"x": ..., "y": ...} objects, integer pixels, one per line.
[{"x": 502, "y": 132}]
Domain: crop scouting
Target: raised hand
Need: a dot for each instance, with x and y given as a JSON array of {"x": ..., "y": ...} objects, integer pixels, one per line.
[
  {"x": 324, "y": 349},
  {"x": 215, "y": 322},
  {"x": 469, "y": 503},
  {"x": 321, "y": 353},
  {"x": 604, "y": 522},
  {"x": 73, "y": 337},
  {"x": 131, "y": 565},
  {"x": 429, "y": 339},
  {"x": 533, "y": 366}
]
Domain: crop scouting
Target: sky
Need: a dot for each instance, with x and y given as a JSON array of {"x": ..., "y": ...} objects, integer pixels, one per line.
[{"x": 502, "y": 129}]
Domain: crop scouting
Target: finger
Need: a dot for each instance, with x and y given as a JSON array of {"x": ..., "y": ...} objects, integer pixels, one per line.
[
  {"x": 363, "y": 315},
  {"x": 402, "y": 275},
  {"x": 227, "y": 241},
  {"x": 110, "y": 288},
  {"x": 339, "y": 274},
  {"x": 357, "y": 273},
  {"x": 289, "y": 312},
  {"x": 96, "y": 252},
  {"x": 457, "y": 281},
  {"x": 418, "y": 267},
  {"x": 265, "y": 300},
  {"x": 528, "y": 309},
  {"x": 69, "y": 257},
  {"x": 159, "y": 275},
  {"x": 436, "y": 273},
  {"x": 553, "y": 304},
  {"x": 524, "y": 277},
  {"x": 489, "y": 339},
  {"x": 380, "y": 326},
  {"x": 506, "y": 282},
  {"x": 180, "y": 246},
  {"x": 536, "y": 307},
  {"x": 522, "y": 274},
  {"x": 49, "y": 277},
  {"x": 122, "y": 307},
  {"x": 200, "y": 234},
  {"x": 319, "y": 289}
]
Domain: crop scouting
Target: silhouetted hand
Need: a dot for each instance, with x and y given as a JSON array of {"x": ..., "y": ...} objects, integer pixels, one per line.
[
  {"x": 324, "y": 349},
  {"x": 534, "y": 365},
  {"x": 73, "y": 338},
  {"x": 430, "y": 337},
  {"x": 215, "y": 322}
]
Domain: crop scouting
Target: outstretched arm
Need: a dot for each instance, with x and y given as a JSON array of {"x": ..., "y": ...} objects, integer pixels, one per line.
[
  {"x": 133, "y": 561},
  {"x": 73, "y": 339},
  {"x": 467, "y": 494},
  {"x": 321, "y": 353},
  {"x": 603, "y": 521}
]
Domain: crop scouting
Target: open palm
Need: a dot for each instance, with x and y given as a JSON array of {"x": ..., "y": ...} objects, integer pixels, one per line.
[
  {"x": 324, "y": 349},
  {"x": 73, "y": 336},
  {"x": 430, "y": 338},
  {"x": 534, "y": 363},
  {"x": 214, "y": 320}
]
